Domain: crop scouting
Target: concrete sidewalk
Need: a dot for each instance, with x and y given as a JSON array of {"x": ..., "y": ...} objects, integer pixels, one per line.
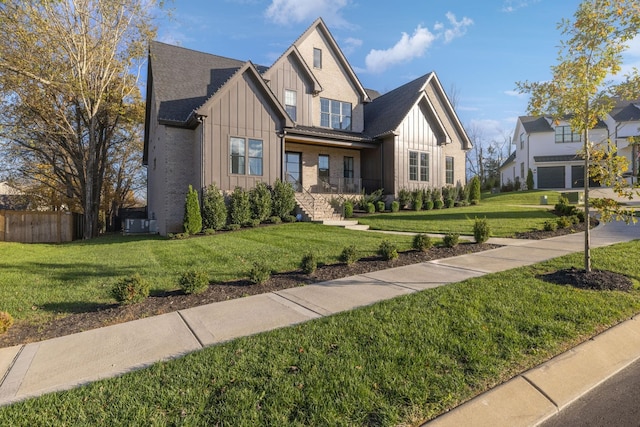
[{"x": 62, "y": 363}]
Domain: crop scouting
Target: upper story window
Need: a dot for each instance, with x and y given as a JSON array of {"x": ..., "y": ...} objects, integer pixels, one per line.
[
  {"x": 335, "y": 114},
  {"x": 522, "y": 141},
  {"x": 239, "y": 148},
  {"x": 565, "y": 134},
  {"x": 317, "y": 58},
  {"x": 290, "y": 103}
]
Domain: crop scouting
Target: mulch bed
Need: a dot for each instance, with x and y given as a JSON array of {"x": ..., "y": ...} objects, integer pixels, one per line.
[{"x": 166, "y": 302}]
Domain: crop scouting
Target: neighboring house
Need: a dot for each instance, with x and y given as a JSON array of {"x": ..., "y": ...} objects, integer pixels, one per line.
[
  {"x": 551, "y": 149},
  {"x": 306, "y": 119},
  {"x": 11, "y": 198}
]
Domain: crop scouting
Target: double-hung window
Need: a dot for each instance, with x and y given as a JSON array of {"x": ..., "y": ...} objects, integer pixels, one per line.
[
  {"x": 317, "y": 58},
  {"x": 245, "y": 152},
  {"x": 449, "y": 170},
  {"x": 418, "y": 166},
  {"x": 290, "y": 103},
  {"x": 565, "y": 134},
  {"x": 335, "y": 114}
]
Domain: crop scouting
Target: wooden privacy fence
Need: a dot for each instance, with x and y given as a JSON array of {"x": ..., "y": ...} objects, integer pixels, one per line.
[{"x": 37, "y": 227}]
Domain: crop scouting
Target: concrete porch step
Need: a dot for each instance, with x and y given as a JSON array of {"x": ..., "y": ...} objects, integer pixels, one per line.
[
  {"x": 339, "y": 223},
  {"x": 359, "y": 227}
]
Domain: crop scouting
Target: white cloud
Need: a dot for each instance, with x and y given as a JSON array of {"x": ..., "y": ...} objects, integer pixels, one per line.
[
  {"x": 458, "y": 29},
  {"x": 350, "y": 44},
  {"x": 410, "y": 47},
  {"x": 510, "y": 6},
  {"x": 407, "y": 48},
  {"x": 286, "y": 12}
]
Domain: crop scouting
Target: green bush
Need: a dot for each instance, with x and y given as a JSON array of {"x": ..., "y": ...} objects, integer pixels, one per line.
[
  {"x": 417, "y": 200},
  {"x": 289, "y": 218},
  {"x": 395, "y": 206},
  {"x": 254, "y": 222},
  {"x": 209, "y": 231},
  {"x": 239, "y": 207},
  {"x": 428, "y": 205},
  {"x": 438, "y": 204},
  {"x": 475, "y": 191},
  {"x": 380, "y": 206},
  {"x": 404, "y": 198},
  {"x": 260, "y": 202},
  {"x": 309, "y": 263},
  {"x": 550, "y": 225},
  {"x": 574, "y": 219},
  {"x": 451, "y": 240},
  {"x": 131, "y": 290},
  {"x": 283, "y": 199},
  {"x": 387, "y": 250},
  {"x": 214, "y": 210},
  {"x": 348, "y": 209},
  {"x": 481, "y": 230},
  {"x": 450, "y": 203},
  {"x": 233, "y": 227},
  {"x": 192, "y": 216},
  {"x": 275, "y": 220},
  {"x": 6, "y": 320},
  {"x": 563, "y": 207},
  {"x": 422, "y": 242},
  {"x": 371, "y": 208},
  {"x": 194, "y": 281},
  {"x": 564, "y": 222},
  {"x": 580, "y": 215},
  {"x": 348, "y": 255},
  {"x": 530, "y": 180},
  {"x": 259, "y": 273}
]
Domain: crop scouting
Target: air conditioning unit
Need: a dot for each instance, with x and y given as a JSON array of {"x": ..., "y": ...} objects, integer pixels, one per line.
[{"x": 140, "y": 226}]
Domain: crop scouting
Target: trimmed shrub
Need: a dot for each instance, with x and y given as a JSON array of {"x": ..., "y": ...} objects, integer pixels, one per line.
[
  {"x": 380, "y": 206},
  {"x": 214, "y": 210},
  {"x": 575, "y": 220},
  {"x": 259, "y": 273},
  {"x": 260, "y": 202},
  {"x": 428, "y": 205},
  {"x": 194, "y": 281},
  {"x": 450, "y": 203},
  {"x": 438, "y": 204},
  {"x": 550, "y": 225},
  {"x": 481, "y": 230},
  {"x": 209, "y": 231},
  {"x": 348, "y": 209},
  {"x": 475, "y": 191},
  {"x": 239, "y": 207},
  {"x": 404, "y": 198},
  {"x": 417, "y": 200},
  {"x": 283, "y": 199},
  {"x": 371, "y": 208},
  {"x": 289, "y": 218},
  {"x": 451, "y": 240},
  {"x": 309, "y": 264},
  {"x": 275, "y": 220},
  {"x": 131, "y": 290},
  {"x": 530, "y": 180},
  {"x": 348, "y": 255},
  {"x": 395, "y": 206},
  {"x": 387, "y": 250},
  {"x": 422, "y": 242},
  {"x": 6, "y": 320},
  {"x": 192, "y": 217},
  {"x": 254, "y": 222},
  {"x": 580, "y": 215},
  {"x": 233, "y": 227},
  {"x": 564, "y": 222}
]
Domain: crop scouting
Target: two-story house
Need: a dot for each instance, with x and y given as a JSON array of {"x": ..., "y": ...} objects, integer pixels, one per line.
[
  {"x": 551, "y": 150},
  {"x": 306, "y": 119}
]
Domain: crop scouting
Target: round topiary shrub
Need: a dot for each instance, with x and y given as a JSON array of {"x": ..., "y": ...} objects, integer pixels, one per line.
[
  {"x": 371, "y": 208},
  {"x": 6, "y": 320},
  {"x": 428, "y": 205},
  {"x": 259, "y": 273},
  {"x": 131, "y": 290},
  {"x": 381, "y": 206},
  {"x": 309, "y": 263},
  {"x": 348, "y": 209},
  {"x": 438, "y": 204},
  {"x": 481, "y": 230},
  {"x": 194, "y": 281},
  {"x": 395, "y": 206},
  {"x": 275, "y": 220},
  {"x": 387, "y": 250},
  {"x": 450, "y": 203},
  {"x": 349, "y": 255},
  {"x": 451, "y": 240},
  {"x": 422, "y": 242},
  {"x": 550, "y": 225}
]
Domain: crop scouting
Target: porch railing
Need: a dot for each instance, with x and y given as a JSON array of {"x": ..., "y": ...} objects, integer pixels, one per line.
[{"x": 339, "y": 186}]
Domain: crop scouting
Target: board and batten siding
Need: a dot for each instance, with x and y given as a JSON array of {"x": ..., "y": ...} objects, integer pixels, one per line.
[
  {"x": 415, "y": 134},
  {"x": 287, "y": 74},
  {"x": 240, "y": 111}
]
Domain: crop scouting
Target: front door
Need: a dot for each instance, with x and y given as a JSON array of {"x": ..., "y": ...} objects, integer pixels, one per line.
[{"x": 293, "y": 169}]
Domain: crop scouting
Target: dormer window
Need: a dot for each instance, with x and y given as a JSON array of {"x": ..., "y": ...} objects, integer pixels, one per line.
[
  {"x": 565, "y": 134},
  {"x": 317, "y": 58},
  {"x": 290, "y": 103}
]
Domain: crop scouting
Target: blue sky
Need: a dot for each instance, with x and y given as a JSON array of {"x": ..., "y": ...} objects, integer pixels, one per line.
[{"x": 478, "y": 48}]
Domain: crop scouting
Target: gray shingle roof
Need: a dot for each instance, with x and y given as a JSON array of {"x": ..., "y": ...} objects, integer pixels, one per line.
[
  {"x": 385, "y": 113},
  {"x": 183, "y": 79},
  {"x": 511, "y": 158},
  {"x": 626, "y": 111},
  {"x": 534, "y": 124}
]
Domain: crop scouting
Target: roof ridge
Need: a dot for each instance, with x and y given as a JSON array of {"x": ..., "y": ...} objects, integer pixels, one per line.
[{"x": 199, "y": 52}]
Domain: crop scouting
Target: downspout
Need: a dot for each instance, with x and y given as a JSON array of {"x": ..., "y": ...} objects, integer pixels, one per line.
[
  {"x": 281, "y": 134},
  {"x": 529, "y": 161},
  {"x": 200, "y": 119}
]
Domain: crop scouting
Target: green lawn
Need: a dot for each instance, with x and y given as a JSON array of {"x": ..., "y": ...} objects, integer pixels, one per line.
[
  {"x": 39, "y": 281},
  {"x": 506, "y": 214},
  {"x": 398, "y": 362}
]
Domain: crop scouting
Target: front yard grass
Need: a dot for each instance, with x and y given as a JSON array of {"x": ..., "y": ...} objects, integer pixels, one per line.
[
  {"x": 40, "y": 281},
  {"x": 397, "y": 362},
  {"x": 506, "y": 214}
]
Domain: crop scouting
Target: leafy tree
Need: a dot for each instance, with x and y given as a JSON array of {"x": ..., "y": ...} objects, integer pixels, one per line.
[
  {"x": 214, "y": 210},
  {"x": 192, "y": 215},
  {"x": 68, "y": 82},
  {"x": 578, "y": 90}
]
